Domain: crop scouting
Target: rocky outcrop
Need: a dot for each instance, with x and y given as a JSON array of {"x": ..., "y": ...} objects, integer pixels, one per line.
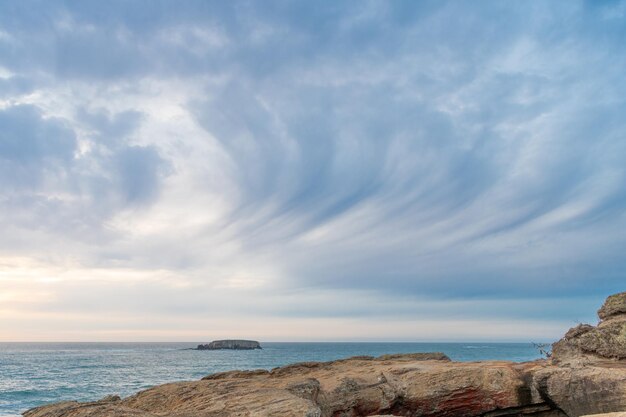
[
  {"x": 615, "y": 305},
  {"x": 579, "y": 390},
  {"x": 401, "y": 385},
  {"x": 606, "y": 341},
  {"x": 587, "y": 375},
  {"x": 588, "y": 372},
  {"x": 231, "y": 344}
]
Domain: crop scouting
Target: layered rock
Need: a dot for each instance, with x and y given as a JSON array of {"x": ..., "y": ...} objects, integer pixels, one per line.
[
  {"x": 606, "y": 341},
  {"x": 615, "y": 305},
  {"x": 588, "y": 375},
  {"x": 231, "y": 344},
  {"x": 414, "y": 384},
  {"x": 580, "y": 390}
]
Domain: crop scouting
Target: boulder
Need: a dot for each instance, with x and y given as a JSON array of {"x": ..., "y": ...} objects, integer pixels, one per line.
[{"x": 581, "y": 390}]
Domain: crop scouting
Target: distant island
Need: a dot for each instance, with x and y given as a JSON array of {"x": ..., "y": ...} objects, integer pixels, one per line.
[{"x": 231, "y": 344}]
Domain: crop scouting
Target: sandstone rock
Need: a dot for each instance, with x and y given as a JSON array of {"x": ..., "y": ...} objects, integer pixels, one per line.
[
  {"x": 308, "y": 389},
  {"x": 590, "y": 372},
  {"x": 73, "y": 408},
  {"x": 618, "y": 414},
  {"x": 236, "y": 374},
  {"x": 580, "y": 390},
  {"x": 613, "y": 306},
  {"x": 110, "y": 399},
  {"x": 435, "y": 356},
  {"x": 401, "y": 385},
  {"x": 607, "y": 341},
  {"x": 588, "y": 343}
]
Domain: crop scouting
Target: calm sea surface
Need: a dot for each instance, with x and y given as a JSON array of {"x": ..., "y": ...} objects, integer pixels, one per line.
[{"x": 32, "y": 374}]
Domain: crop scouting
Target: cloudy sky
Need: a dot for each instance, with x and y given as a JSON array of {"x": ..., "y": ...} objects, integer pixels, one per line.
[{"x": 278, "y": 170}]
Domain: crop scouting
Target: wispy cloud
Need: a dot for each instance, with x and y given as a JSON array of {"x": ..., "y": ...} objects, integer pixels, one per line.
[{"x": 337, "y": 161}]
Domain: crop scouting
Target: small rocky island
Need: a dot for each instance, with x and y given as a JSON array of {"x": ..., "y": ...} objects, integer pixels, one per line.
[{"x": 230, "y": 344}]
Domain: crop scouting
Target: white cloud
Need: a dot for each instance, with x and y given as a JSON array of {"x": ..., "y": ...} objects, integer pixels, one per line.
[{"x": 269, "y": 163}]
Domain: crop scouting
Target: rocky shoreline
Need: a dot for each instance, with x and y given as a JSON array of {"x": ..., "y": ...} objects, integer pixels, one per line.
[{"x": 585, "y": 375}]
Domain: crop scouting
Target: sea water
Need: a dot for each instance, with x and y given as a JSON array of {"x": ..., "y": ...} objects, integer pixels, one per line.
[{"x": 32, "y": 374}]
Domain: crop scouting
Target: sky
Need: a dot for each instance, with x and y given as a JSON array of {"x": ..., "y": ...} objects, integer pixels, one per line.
[{"x": 295, "y": 171}]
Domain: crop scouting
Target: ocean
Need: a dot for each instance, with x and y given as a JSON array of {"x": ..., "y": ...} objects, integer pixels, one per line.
[{"x": 32, "y": 374}]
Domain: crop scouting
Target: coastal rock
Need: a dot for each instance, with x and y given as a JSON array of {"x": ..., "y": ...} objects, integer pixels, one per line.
[
  {"x": 613, "y": 306},
  {"x": 96, "y": 408},
  {"x": 580, "y": 390},
  {"x": 231, "y": 344},
  {"x": 588, "y": 375},
  {"x": 413, "y": 384},
  {"x": 426, "y": 356},
  {"x": 588, "y": 343}
]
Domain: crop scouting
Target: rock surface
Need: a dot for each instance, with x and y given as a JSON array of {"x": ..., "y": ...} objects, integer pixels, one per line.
[
  {"x": 231, "y": 344},
  {"x": 588, "y": 372},
  {"x": 581, "y": 390},
  {"x": 619, "y": 414},
  {"x": 587, "y": 375},
  {"x": 596, "y": 343},
  {"x": 613, "y": 306},
  {"x": 414, "y": 384}
]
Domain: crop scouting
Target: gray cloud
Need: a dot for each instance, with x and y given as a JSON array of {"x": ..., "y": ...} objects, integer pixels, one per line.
[
  {"x": 111, "y": 129},
  {"x": 452, "y": 158},
  {"x": 138, "y": 173},
  {"x": 50, "y": 186},
  {"x": 435, "y": 151},
  {"x": 32, "y": 148}
]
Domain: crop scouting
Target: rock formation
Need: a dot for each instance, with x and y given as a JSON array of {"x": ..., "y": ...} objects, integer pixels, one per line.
[
  {"x": 586, "y": 376},
  {"x": 415, "y": 384},
  {"x": 596, "y": 343},
  {"x": 231, "y": 344},
  {"x": 588, "y": 372}
]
